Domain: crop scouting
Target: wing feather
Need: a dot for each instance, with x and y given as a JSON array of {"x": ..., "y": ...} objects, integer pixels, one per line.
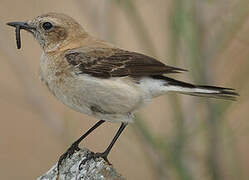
[{"x": 106, "y": 63}]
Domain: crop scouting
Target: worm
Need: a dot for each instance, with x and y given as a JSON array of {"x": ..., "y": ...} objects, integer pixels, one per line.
[{"x": 18, "y": 37}]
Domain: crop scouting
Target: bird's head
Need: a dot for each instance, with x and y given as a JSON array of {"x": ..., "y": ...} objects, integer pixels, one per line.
[{"x": 53, "y": 30}]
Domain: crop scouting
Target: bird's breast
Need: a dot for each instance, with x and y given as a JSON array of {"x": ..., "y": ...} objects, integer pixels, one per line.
[{"x": 60, "y": 80}]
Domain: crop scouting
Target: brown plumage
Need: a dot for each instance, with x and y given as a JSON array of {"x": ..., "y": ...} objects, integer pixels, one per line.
[{"x": 110, "y": 62}]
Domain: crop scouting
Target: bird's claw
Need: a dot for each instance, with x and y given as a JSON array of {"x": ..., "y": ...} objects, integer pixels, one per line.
[
  {"x": 70, "y": 151},
  {"x": 95, "y": 156}
]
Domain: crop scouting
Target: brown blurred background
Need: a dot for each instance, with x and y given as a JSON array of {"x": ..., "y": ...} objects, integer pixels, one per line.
[{"x": 174, "y": 137}]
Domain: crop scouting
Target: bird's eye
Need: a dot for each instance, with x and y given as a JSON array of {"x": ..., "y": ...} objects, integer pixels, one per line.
[{"x": 47, "y": 25}]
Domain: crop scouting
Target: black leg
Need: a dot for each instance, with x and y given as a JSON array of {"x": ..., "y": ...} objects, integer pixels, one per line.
[
  {"x": 108, "y": 149},
  {"x": 75, "y": 146}
]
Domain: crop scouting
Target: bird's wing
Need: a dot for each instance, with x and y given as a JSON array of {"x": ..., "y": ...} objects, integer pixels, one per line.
[{"x": 107, "y": 62}]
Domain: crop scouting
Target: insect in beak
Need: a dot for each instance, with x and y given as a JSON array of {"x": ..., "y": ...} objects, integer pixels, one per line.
[{"x": 19, "y": 26}]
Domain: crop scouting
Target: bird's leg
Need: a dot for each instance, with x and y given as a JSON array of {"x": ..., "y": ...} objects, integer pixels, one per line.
[
  {"x": 108, "y": 149},
  {"x": 75, "y": 146}
]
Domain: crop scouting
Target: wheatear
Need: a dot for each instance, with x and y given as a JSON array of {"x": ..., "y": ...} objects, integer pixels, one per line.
[{"x": 96, "y": 78}]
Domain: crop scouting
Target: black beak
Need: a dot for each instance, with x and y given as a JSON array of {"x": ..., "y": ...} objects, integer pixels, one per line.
[{"x": 21, "y": 25}]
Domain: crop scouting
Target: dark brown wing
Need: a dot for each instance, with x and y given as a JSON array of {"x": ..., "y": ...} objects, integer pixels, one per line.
[{"x": 106, "y": 63}]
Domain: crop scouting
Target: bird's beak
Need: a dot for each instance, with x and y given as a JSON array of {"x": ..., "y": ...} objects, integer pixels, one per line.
[{"x": 21, "y": 25}]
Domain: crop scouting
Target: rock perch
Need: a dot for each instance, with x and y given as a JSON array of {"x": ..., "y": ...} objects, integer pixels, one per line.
[{"x": 70, "y": 169}]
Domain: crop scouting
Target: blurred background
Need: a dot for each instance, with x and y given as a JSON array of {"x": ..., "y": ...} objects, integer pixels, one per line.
[{"x": 174, "y": 137}]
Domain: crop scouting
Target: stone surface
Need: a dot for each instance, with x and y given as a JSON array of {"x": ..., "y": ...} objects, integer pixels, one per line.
[{"x": 70, "y": 169}]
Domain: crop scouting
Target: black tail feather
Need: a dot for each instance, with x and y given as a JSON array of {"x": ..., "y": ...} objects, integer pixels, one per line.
[{"x": 200, "y": 90}]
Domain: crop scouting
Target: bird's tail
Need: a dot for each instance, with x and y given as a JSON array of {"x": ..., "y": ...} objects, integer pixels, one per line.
[{"x": 198, "y": 90}]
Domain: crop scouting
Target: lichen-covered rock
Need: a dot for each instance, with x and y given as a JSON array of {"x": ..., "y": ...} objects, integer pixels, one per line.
[{"x": 70, "y": 169}]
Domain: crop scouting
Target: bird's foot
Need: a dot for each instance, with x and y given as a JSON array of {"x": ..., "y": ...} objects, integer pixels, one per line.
[
  {"x": 70, "y": 151},
  {"x": 95, "y": 156}
]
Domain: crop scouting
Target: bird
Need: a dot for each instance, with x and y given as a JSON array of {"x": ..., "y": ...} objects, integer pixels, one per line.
[{"x": 99, "y": 79}]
